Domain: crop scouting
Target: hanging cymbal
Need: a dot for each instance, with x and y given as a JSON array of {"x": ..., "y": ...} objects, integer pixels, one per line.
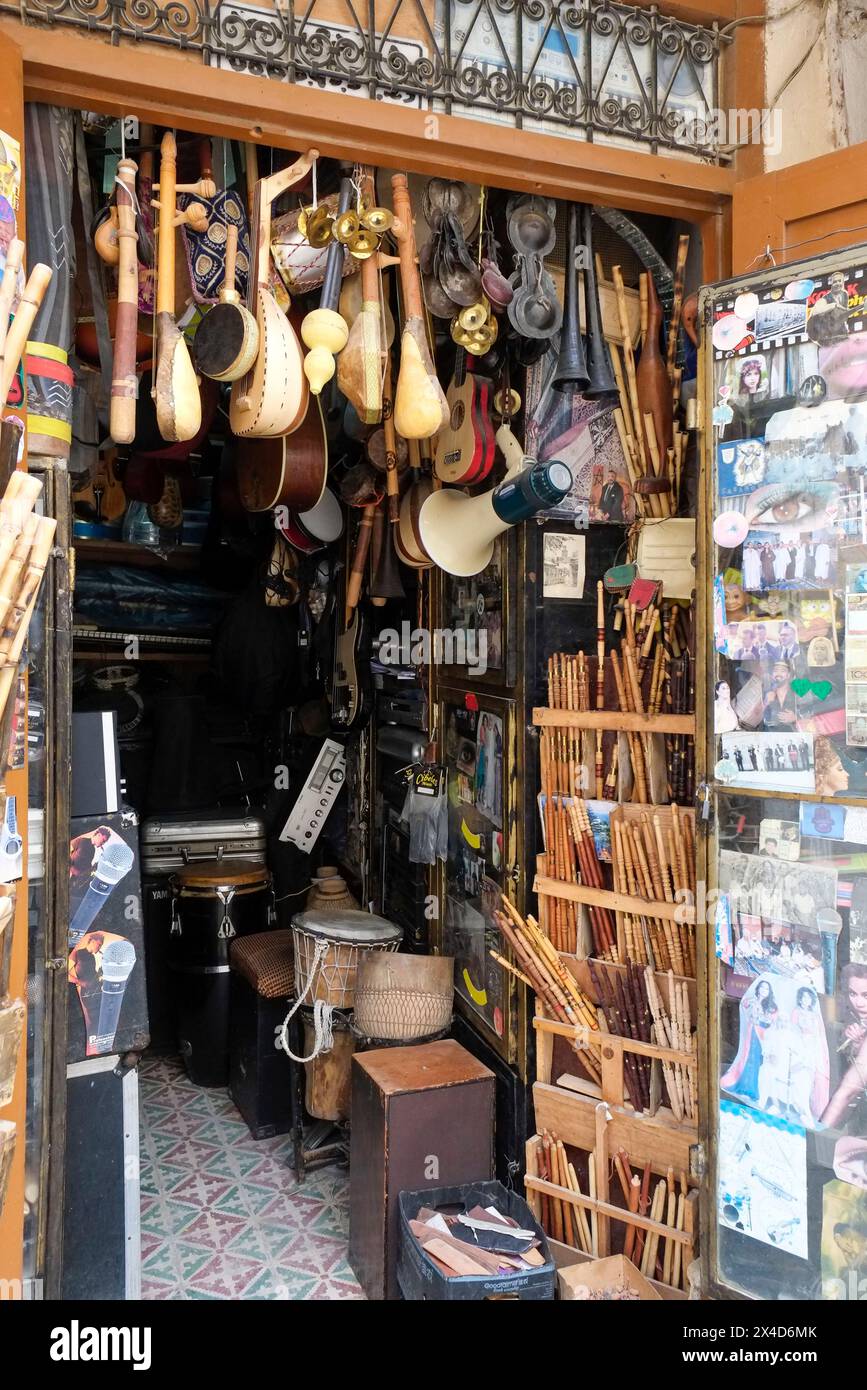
[
  {"x": 319, "y": 226},
  {"x": 346, "y": 226},
  {"x": 377, "y": 220},
  {"x": 363, "y": 244},
  {"x": 474, "y": 316}
]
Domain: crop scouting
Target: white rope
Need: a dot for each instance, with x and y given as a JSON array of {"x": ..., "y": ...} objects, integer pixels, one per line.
[{"x": 322, "y": 1012}]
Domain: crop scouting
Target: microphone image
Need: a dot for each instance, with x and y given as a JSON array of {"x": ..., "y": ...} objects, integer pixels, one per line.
[
  {"x": 115, "y": 862},
  {"x": 118, "y": 960},
  {"x": 11, "y": 843},
  {"x": 830, "y": 924}
]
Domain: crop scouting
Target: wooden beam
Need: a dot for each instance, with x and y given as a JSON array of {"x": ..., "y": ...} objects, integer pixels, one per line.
[
  {"x": 615, "y": 902},
  {"x": 67, "y": 68},
  {"x": 614, "y": 719}
]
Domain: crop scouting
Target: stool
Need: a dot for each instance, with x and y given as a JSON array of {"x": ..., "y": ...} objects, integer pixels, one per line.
[{"x": 260, "y": 1074}]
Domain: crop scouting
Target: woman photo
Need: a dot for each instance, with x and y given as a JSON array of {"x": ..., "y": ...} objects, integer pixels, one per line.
[
  {"x": 758, "y": 1013},
  {"x": 849, "y": 1102},
  {"x": 725, "y": 720},
  {"x": 832, "y": 779}
]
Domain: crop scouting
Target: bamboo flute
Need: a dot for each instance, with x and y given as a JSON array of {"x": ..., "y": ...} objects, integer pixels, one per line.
[
  {"x": 671, "y": 1215},
  {"x": 657, "y": 1209},
  {"x": 643, "y": 1201},
  {"x": 580, "y": 1212},
  {"x": 569, "y": 1230},
  {"x": 600, "y": 645}
]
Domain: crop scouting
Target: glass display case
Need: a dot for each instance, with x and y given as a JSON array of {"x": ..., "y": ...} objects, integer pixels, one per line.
[{"x": 785, "y": 411}]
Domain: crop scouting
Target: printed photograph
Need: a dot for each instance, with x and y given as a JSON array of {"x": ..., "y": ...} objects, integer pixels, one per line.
[
  {"x": 763, "y": 1178},
  {"x": 776, "y": 761},
  {"x": 782, "y": 1066}
]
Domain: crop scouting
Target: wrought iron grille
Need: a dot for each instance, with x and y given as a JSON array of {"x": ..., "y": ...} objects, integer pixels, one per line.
[{"x": 593, "y": 69}]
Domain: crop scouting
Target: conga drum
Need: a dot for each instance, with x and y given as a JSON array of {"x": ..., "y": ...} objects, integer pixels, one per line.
[{"x": 213, "y": 902}]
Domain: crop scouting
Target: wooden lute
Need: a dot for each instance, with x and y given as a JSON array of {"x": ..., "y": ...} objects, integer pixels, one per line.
[
  {"x": 272, "y": 397},
  {"x": 176, "y": 391},
  {"x": 287, "y": 472},
  {"x": 420, "y": 407}
]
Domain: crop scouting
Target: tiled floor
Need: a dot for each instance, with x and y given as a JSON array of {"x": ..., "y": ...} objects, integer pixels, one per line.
[{"x": 221, "y": 1213}]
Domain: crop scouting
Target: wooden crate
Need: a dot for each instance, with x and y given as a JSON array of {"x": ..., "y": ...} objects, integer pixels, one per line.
[{"x": 606, "y": 1212}]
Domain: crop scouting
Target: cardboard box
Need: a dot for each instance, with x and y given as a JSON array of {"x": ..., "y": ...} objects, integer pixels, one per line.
[
  {"x": 611, "y": 1273},
  {"x": 108, "y": 1001}
]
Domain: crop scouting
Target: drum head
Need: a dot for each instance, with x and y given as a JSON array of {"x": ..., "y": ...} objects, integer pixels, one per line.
[
  {"x": 324, "y": 521},
  {"x": 222, "y": 873},
  {"x": 351, "y": 926}
]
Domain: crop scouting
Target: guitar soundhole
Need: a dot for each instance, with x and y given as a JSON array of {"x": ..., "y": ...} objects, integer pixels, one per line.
[{"x": 457, "y": 415}]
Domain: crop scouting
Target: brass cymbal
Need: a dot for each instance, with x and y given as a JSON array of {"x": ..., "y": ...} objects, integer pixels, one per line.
[
  {"x": 363, "y": 244},
  {"x": 346, "y": 227},
  {"x": 319, "y": 226},
  {"x": 377, "y": 220},
  {"x": 475, "y": 316}
]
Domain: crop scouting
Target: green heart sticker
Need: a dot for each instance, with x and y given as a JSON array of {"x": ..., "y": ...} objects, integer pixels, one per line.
[{"x": 821, "y": 689}]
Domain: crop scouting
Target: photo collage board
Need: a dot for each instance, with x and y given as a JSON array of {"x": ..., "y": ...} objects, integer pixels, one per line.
[{"x": 789, "y": 603}]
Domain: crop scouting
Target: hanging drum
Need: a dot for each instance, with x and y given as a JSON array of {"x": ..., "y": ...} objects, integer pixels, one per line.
[{"x": 213, "y": 902}]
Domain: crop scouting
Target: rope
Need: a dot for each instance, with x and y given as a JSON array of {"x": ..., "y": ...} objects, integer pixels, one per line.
[{"x": 322, "y": 1013}]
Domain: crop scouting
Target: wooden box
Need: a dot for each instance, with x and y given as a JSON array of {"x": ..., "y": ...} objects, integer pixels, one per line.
[
  {"x": 422, "y": 1117},
  {"x": 614, "y": 1271}
]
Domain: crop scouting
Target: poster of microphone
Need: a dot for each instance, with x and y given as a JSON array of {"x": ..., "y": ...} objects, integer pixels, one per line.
[{"x": 106, "y": 947}]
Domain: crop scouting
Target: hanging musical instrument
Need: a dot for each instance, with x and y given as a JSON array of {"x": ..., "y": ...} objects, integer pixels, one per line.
[
  {"x": 385, "y": 580},
  {"x": 315, "y": 529},
  {"x": 287, "y": 471},
  {"x": 99, "y": 495},
  {"x": 124, "y": 379},
  {"x": 272, "y": 397},
  {"x": 350, "y": 676},
  {"x": 420, "y": 407},
  {"x": 465, "y": 448},
  {"x": 651, "y": 376},
  {"x": 19, "y": 330},
  {"x": 359, "y": 370},
  {"x": 323, "y": 330},
  {"x": 602, "y": 382},
  {"x": 176, "y": 391},
  {"x": 459, "y": 532},
  {"x": 227, "y": 339},
  {"x": 392, "y": 485}
]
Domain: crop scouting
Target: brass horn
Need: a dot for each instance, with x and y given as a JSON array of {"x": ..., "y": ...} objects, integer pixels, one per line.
[
  {"x": 599, "y": 369},
  {"x": 571, "y": 372}
]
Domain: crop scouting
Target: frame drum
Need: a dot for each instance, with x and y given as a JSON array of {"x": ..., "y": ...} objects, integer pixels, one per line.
[{"x": 317, "y": 528}]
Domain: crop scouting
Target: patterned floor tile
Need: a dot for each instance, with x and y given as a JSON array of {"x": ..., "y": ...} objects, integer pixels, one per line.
[{"x": 223, "y": 1216}]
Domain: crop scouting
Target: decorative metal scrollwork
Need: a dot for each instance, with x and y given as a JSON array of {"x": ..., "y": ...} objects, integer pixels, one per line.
[{"x": 590, "y": 68}]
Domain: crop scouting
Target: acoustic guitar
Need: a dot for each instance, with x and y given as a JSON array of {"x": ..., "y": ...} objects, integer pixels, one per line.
[
  {"x": 465, "y": 448},
  {"x": 288, "y": 471},
  {"x": 271, "y": 399}
]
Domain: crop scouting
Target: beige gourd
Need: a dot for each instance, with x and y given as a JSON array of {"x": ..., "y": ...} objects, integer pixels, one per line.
[{"x": 420, "y": 406}]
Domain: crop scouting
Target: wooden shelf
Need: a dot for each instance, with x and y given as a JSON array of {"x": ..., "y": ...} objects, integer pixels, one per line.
[
  {"x": 614, "y": 719},
  {"x": 102, "y": 552},
  {"x": 615, "y": 902}
]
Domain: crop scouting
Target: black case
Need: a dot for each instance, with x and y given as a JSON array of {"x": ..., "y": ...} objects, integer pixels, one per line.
[{"x": 260, "y": 1073}]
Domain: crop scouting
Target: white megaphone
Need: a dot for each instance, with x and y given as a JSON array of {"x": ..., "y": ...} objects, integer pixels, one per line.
[{"x": 458, "y": 532}]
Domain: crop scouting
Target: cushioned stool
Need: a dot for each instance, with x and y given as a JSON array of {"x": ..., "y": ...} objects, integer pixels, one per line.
[{"x": 260, "y": 1073}]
